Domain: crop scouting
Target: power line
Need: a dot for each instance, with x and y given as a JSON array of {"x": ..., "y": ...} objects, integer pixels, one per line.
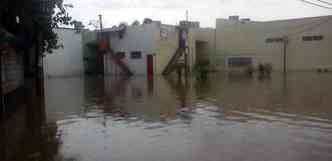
[
  {"x": 326, "y": 2},
  {"x": 315, "y": 4}
]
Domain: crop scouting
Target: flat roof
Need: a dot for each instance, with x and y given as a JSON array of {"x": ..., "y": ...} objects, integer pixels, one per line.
[{"x": 291, "y": 19}]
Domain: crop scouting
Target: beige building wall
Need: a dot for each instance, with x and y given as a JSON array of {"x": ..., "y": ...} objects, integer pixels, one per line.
[
  {"x": 168, "y": 43},
  {"x": 192, "y": 48},
  {"x": 238, "y": 38}
]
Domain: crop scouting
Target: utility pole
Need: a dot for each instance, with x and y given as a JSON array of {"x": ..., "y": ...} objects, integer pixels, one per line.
[
  {"x": 100, "y": 23},
  {"x": 100, "y": 55},
  {"x": 186, "y": 54},
  {"x": 187, "y": 16},
  {"x": 285, "y": 42},
  {"x": 215, "y": 48}
]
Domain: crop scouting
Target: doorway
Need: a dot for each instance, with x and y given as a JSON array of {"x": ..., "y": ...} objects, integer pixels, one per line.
[{"x": 149, "y": 63}]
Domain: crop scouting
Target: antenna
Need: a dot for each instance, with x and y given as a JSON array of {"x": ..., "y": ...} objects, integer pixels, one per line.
[{"x": 187, "y": 16}]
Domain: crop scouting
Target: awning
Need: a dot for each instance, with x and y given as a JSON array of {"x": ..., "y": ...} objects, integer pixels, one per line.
[{"x": 7, "y": 40}]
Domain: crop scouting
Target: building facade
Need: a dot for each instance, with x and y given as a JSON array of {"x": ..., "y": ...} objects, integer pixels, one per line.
[
  {"x": 294, "y": 45},
  {"x": 205, "y": 46},
  {"x": 145, "y": 48},
  {"x": 67, "y": 60}
]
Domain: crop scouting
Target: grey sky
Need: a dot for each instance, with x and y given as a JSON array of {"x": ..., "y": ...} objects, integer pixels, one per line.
[{"x": 205, "y": 11}]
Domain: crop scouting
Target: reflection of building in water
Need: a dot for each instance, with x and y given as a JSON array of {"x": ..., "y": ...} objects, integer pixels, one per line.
[
  {"x": 93, "y": 91},
  {"x": 69, "y": 94},
  {"x": 148, "y": 99}
]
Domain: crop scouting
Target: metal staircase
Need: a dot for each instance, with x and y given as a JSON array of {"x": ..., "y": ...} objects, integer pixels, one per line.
[
  {"x": 106, "y": 49},
  {"x": 119, "y": 63},
  {"x": 174, "y": 63}
]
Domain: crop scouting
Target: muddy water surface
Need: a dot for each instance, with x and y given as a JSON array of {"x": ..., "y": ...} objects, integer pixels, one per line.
[{"x": 227, "y": 117}]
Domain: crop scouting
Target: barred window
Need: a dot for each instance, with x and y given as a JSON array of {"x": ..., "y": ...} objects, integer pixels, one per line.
[
  {"x": 136, "y": 55},
  {"x": 274, "y": 40},
  {"x": 239, "y": 61},
  {"x": 120, "y": 55},
  {"x": 312, "y": 38}
]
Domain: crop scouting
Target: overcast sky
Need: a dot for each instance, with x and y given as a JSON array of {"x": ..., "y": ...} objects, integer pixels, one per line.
[{"x": 205, "y": 11}]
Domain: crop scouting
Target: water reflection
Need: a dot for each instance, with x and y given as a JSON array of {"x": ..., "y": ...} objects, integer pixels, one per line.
[
  {"x": 24, "y": 132},
  {"x": 225, "y": 117}
]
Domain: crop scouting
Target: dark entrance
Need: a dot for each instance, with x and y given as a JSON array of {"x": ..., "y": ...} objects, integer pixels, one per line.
[{"x": 149, "y": 63}]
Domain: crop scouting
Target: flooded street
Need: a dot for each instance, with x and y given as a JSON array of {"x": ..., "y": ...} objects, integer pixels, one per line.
[
  {"x": 226, "y": 117},
  {"x": 165, "y": 80}
]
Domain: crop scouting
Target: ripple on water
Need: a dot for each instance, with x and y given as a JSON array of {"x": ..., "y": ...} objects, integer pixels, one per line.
[{"x": 234, "y": 119}]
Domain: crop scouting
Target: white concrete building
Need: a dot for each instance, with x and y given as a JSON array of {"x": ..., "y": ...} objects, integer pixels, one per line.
[
  {"x": 67, "y": 60},
  {"x": 146, "y": 46},
  {"x": 240, "y": 42}
]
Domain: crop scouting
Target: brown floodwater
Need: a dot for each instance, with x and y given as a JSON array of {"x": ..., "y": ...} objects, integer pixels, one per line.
[{"x": 224, "y": 118}]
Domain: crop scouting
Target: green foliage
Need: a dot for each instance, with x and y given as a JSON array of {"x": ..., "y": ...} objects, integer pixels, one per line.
[
  {"x": 136, "y": 23},
  {"x": 78, "y": 26},
  {"x": 147, "y": 21},
  {"x": 93, "y": 45},
  {"x": 249, "y": 70},
  {"x": 201, "y": 69},
  {"x": 265, "y": 69},
  {"x": 38, "y": 18},
  {"x": 123, "y": 24},
  {"x": 51, "y": 15}
]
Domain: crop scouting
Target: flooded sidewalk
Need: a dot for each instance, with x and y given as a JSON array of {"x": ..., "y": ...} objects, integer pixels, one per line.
[{"x": 226, "y": 117}]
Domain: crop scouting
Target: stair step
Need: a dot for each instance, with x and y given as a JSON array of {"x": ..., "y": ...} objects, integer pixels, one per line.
[
  {"x": 174, "y": 60},
  {"x": 122, "y": 65}
]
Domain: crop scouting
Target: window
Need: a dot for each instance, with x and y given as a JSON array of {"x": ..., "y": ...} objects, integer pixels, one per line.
[
  {"x": 136, "y": 55},
  {"x": 312, "y": 38},
  {"x": 120, "y": 55},
  {"x": 320, "y": 37},
  {"x": 273, "y": 40},
  {"x": 239, "y": 61}
]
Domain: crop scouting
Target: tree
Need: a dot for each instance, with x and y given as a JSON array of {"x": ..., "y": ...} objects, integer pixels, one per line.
[
  {"x": 123, "y": 28},
  {"x": 147, "y": 21},
  {"x": 123, "y": 24},
  {"x": 95, "y": 24},
  {"x": 35, "y": 18},
  {"x": 56, "y": 14},
  {"x": 136, "y": 23},
  {"x": 78, "y": 26}
]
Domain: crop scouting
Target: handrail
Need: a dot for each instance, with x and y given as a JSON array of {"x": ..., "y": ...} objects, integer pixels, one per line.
[
  {"x": 170, "y": 66},
  {"x": 121, "y": 64}
]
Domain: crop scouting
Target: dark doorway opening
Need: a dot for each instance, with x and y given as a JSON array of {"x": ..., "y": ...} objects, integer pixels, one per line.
[{"x": 149, "y": 63}]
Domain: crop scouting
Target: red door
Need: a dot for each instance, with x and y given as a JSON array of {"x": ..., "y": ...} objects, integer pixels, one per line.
[{"x": 149, "y": 63}]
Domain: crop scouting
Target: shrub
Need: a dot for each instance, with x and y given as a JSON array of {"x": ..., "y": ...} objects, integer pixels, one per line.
[{"x": 249, "y": 70}]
